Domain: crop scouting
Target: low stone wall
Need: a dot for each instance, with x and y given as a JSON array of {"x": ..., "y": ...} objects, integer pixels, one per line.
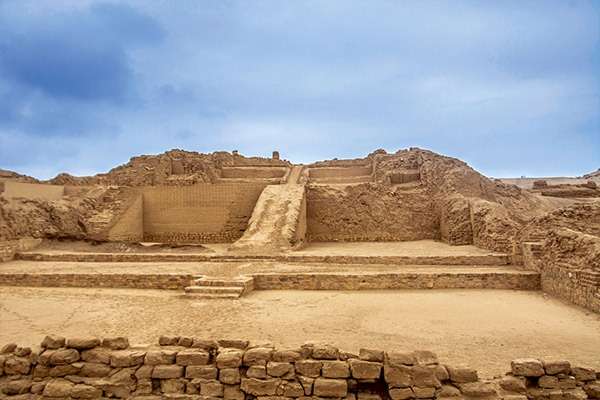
[
  {"x": 130, "y": 281},
  {"x": 9, "y": 248},
  {"x": 581, "y": 287},
  {"x": 192, "y": 368},
  {"x": 400, "y": 280}
]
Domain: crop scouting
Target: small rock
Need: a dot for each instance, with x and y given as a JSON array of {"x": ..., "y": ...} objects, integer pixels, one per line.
[
  {"x": 554, "y": 367},
  {"x": 583, "y": 374},
  {"x": 58, "y": 388},
  {"x": 529, "y": 367},
  {"x": 371, "y": 355},
  {"x": 116, "y": 343},
  {"x": 234, "y": 343},
  {"x": 20, "y": 386},
  {"x": 462, "y": 374},
  {"x": 53, "y": 342},
  {"x": 82, "y": 343},
  {"x": 168, "y": 340},
  {"x": 401, "y": 393}
]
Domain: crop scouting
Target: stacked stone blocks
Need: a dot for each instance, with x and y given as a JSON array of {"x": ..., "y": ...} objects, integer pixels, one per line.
[{"x": 192, "y": 368}]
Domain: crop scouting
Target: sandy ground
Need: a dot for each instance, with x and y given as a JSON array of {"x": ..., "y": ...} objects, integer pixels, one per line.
[
  {"x": 226, "y": 268},
  {"x": 482, "y": 328}
]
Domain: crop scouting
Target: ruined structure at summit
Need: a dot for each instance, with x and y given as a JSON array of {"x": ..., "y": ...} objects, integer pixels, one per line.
[{"x": 216, "y": 230}]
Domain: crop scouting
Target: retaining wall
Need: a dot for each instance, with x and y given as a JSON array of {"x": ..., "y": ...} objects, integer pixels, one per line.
[
  {"x": 205, "y": 213},
  {"x": 193, "y": 368},
  {"x": 9, "y": 248},
  {"x": 32, "y": 190}
]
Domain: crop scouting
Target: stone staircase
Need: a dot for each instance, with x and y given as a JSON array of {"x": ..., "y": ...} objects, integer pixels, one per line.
[{"x": 205, "y": 287}]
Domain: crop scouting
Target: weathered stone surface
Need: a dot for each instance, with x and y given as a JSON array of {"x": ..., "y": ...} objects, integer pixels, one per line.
[
  {"x": 399, "y": 376},
  {"x": 527, "y": 367},
  {"x": 371, "y": 355},
  {"x": 325, "y": 352},
  {"x": 157, "y": 357},
  {"x": 448, "y": 391},
  {"x": 53, "y": 342},
  {"x": 205, "y": 344},
  {"x": 230, "y": 376},
  {"x": 171, "y": 386},
  {"x": 477, "y": 389},
  {"x": 127, "y": 358},
  {"x": 37, "y": 387},
  {"x": 17, "y": 365},
  {"x": 515, "y": 384},
  {"x": 233, "y": 392},
  {"x": 207, "y": 372},
  {"x": 64, "y": 370},
  {"x": 290, "y": 389},
  {"x": 232, "y": 358},
  {"x": 58, "y": 388},
  {"x": 395, "y": 358},
  {"x": 82, "y": 343},
  {"x": 307, "y": 384},
  {"x": 63, "y": 356},
  {"x": 167, "y": 371},
  {"x": 280, "y": 369},
  {"x": 144, "y": 386},
  {"x": 287, "y": 356},
  {"x": 423, "y": 392},
  {"x": 574, "y": 394},
  {"x": 8, "y": 348},
  {"x": 22, "y": 351},
  {"x": 440, "y": 371},
  {"x": 461, "y": 374},
  {"x": 41, "y": 371},
  {"x": 192, "y": 357},
  {"x": 367, "y": 396},
  {"x": 365, "y": 369},
  {"x": 423, "y": 376},
  {"x": 258, "y": 387},
  {"x": 168, "y": 340},
  {"x": 97, "y": 355},
  {"x": 425, "y": 357},
  {"x": 592, "y": 390},
  {"x": 566, "y": 381},
  {"x": 144, "y": 372},
  {"x": 310, "y": 368},
  {"x": 257, "y": 356},
  {"x": 554, "y": 367},
  {"x": 234, "y": 343},
  {"x": 257, "y": 371},
  {"x": 81, "y": 391},
  {"x": 548, "y": 382},
  {"x": 335, "y": 369},
  {"x": 401, "y": 393},
  {"x": 185, "y": 341},
  {"x": 116, "y": 343},
  {"x": 325, "y": 387},
  {"x": 19, "y": 386},
  {"x": 583, "y": 374}
]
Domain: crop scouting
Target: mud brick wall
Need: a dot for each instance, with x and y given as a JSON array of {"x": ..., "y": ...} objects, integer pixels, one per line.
[
  {"x": 253, "y": 172},
  {"x": 205, "y": 213},
  {"x": 369, "y": 212},
  {"x": 581, "y": 287},
  {"x": 193, "y": 368},
  {"x": 132, "y": 281},
  {"x": 8, "y": 248},
  {"x": 130, "y": 225},
  {"x": 33, "y": 190}
]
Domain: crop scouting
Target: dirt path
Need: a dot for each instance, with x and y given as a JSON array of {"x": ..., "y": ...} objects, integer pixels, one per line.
[{"x": 457, "y": 324}]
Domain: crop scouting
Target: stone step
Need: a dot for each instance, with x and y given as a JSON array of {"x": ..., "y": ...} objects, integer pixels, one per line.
[
  {"x": 213, "y": 296},
  {"x": 215, "y": 290},
  {"x": 223, "y": 282}
]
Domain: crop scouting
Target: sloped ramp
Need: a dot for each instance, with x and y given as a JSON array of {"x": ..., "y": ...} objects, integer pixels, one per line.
[{"x": 278, "y": 222}]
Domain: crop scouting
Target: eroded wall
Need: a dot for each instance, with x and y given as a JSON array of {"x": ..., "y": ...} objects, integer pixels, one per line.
[
  {"x": 130, "y": 225},
  {"x": 204, "y": 213},
  {"x": 370, "y": 213},
  {"x": 32, "y": 190}
]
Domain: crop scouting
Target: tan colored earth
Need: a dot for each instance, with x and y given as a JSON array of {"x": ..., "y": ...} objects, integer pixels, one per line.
[{"x": 481, "y": 328}]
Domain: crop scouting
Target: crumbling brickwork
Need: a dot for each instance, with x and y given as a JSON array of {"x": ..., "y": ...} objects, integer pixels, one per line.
[{"x": 193, "y": 368}]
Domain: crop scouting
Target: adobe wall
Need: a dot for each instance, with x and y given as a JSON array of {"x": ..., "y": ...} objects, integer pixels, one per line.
[
  {"x": 339, "y": 172},
  {"x": 32, "y": 191},
  {"x": 204, "y": 213},
  {"x": 130, "y": 225},
  {"x": 369, "y": 213},
  {"x": 194, "y": 368},
  {"x": 253, "y": 172}
]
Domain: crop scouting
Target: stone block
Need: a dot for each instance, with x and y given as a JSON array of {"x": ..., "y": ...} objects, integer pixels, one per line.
[
  {"x": 309, "y": 368},
  {"x": 517, "y": 384},
  {"x": 448, "y": 391},
  {"x": 583, "y": 374},
  {"x": 395, "y": 358},
  {"x": 170, "y": 386},
  {"x": 58, "y": 388},
  {"x": 335, "y": 369},
  {"x": 371, "y": 355},
  {"x": 548, "y": 382},
  {"x": 8, "y": 348},
  {"x": 280, "y": 369},
  {"x": 401, "y": 393},
  {"x": 592, "y": 390},
  {"x": 365, "y": 369},
  {"x": 462, "y": 374},
  {"x": 82, "y": 391},
  {"x": 64, "y": 356},
  {"x": 441, "y": 373},
  {"x": 398, "y": 376},
  {"x": 423, "y": 392},
  {"x": 232, "y": 358},
  {"x": 324, "y": 352},
  {"x": 116, "y": 343},
  {"x": 307, "y": 384},
  {"x": 144, "y": 372},
  {"x": 17, "y": 365},
  {"x": 167, "y": 371},
  {"x": 97, "y": 355},
  {"x": 185, "y": 341},
  {"x": 168, "y": 340},
  {"x": 574, "y": 394},
  {"x": 287, "y": 356},
  {"x": 207, "y": 372},
  {"x": 205, "y": 344},
  {"x": 290, "y": 389},
  {"x": 477, "y": 389},
  {"x": 257, "y": 356},
  {"x": 64, "y": 370},
  {"x": 230, "y": 376},
  {"x": 529, "y": 367},
  {"x": 158, "y": 357},
  {"x": 325, "y": 387},
  {"x": 554, "y": 367},
  {"x": 94, "y": 370},
  {"x": 192, "y": 357},
  {"x": 82, "y": 343},
  {"x": 15, "y": 387},
  {"x": 127, "y": 358},
  {"x": 260, "y": 387},
  {"x": 234, "y": 343},
  {"x": 53, "y": 342},
  {"x": 425, "y": 357},
  {"x": 424, "y": 377},
  {"x": 233, "y": 392},
  {"x": 257, "y": 371}
]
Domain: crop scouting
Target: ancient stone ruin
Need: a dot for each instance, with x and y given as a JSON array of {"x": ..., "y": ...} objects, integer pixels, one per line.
[{"x": 220, "y": 226}]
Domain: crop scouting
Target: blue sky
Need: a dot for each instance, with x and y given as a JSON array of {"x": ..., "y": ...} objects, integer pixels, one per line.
[{"x": 512, "y": 87}]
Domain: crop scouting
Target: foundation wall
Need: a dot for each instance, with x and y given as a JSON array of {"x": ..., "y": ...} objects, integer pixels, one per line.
[
  {"x": 369, "y": 213},
  {"x": 205, "y": 213},
  {"x": 235, "y": 369},
  {"x": 32, "y": 191}
]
